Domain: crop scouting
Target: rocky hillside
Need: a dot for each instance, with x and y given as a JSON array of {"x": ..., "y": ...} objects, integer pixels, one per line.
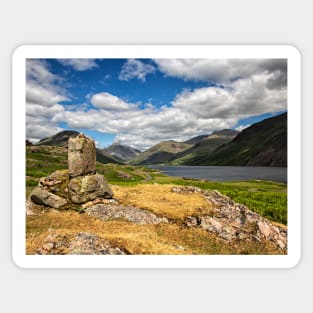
[
  {"x": 121, "y": 152},
  {"x": 135, "y": 221},
  {"x": 262, "y": 144}
]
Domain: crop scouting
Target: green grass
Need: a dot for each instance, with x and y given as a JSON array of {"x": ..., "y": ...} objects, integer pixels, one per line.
[{"x": 267, "y": 198}]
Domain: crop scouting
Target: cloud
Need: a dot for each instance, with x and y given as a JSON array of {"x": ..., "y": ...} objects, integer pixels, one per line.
[
  {"x": 106, "y": 101},
  {"x": 43, "y": 94},
  {"x": 220, "y": 71},
  {"x": 192, "y": 112},
  {"x": 33, "y": 109},
  {"x": 79, "y": 64},
  {"x": 39, "y": 131},
  {"x": 248, "y": 88},
  {"x": 42, "y": 86},
  {"x": 37, "y": 70},
  {"x": 135, "y": 69},
  {"x": 142, "y": 128},
  {"x": 242, "y": 98}
]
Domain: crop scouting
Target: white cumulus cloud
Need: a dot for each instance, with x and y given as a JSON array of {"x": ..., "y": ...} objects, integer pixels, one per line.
[
  {"x": 222, "y": 71},
  {"x": 43, "y": 94},
  {"x": 105, "y": 100},
  {"x": 244, "y": 88}
]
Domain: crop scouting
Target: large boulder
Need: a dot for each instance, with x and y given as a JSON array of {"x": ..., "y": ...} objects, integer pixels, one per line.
[
  {"x": 81, "y": 156},
  {"x": 44, "y": 197},
  {"x": 86, "y": 188}
]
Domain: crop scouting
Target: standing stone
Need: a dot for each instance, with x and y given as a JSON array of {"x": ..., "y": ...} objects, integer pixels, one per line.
[{"x": 81, "y": 156}]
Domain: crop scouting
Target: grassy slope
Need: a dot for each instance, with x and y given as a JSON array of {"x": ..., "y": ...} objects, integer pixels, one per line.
[
  {"x": 264, "y": 143},
  {"x": 267, "y": 198},
  {"x": 147, "y": 189},
  {"x": 200, "y": 149},
  {"x": 160, "y": 153}
]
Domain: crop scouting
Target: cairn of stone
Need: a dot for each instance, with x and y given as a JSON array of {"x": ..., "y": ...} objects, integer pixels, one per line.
[{"x": 79, "y": 184}]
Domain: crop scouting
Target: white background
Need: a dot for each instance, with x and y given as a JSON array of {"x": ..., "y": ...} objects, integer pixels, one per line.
[{"x": 188, "y": 22}]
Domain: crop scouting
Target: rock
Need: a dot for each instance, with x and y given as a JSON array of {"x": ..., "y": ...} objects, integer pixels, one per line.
[
  {"x": 191, "y": 221},
  {"x": 228, "y": 233},
  {"x": 88, "y": 243},
  {"x": 42, "y": 196},
  {"x": 124, "y": 175},
  {"x": 186, "y": 189},
  {"x": 232, "y": 220},
  {"x": 99, "y": 201},
  {"x": 79, "y": 244},
  {"x": 86, "y": 188},
  {"x": 56, "y": 182},
  {"x": 48, "y": 246},
  {"x": 211, "y": 224},
  {"x": 264, "y": 229},
  {"x": 81, "y": 156},
  {"x": 106, "y": 212},
  {"x": 29, "y": 208}
]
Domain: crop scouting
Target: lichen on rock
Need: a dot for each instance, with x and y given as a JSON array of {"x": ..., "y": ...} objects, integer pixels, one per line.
[
  {"x": 56, "y": 182},
  {"x": 86, "y": 188}
]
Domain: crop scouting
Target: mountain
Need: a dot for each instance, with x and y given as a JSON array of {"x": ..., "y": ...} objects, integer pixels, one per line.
[
  {"x": 103, "y": 157},
  {"x": 203, "y": 146},
  {"x": 262, "y": 144},
  {"x": 121, "y": 152},
  {"x": 195, "y": 140},
  {"x": 160, "y": 153},
  {"x": 61, "y": 140}
]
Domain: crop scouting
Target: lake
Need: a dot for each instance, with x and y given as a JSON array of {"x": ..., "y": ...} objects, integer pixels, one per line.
[{"x": 226, "y": 173}]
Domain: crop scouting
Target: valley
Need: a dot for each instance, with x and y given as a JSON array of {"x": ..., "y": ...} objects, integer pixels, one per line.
[{"x": 153, "y": 213}]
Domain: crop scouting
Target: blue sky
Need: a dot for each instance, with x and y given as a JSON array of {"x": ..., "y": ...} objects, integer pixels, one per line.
[{"x": 140, "y": 102}]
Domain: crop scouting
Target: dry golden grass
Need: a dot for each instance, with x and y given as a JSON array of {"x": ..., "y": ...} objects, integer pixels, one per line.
[
  {"x": 165, "y": 239},
  {"x": 136, "y": 239},
  {"x": 160, "y": 200}
]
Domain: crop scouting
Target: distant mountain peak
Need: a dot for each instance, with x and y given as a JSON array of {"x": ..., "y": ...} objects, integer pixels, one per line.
[
  {"x": 225, "y": 132},
  {"x": 121, "y": 151},
  {"x": 59, "y": 139}
]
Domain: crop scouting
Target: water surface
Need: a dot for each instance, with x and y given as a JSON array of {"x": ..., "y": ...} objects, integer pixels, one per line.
[{"x": 226, "y": 173}]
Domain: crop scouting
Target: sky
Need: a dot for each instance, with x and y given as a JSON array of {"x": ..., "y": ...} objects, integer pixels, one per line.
[{"x": 140, "y": 102}]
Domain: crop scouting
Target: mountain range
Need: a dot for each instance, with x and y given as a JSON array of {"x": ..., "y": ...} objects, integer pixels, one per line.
[
  {"x": 61, "y": 140},
  {"x": 261, "y": 144}
]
